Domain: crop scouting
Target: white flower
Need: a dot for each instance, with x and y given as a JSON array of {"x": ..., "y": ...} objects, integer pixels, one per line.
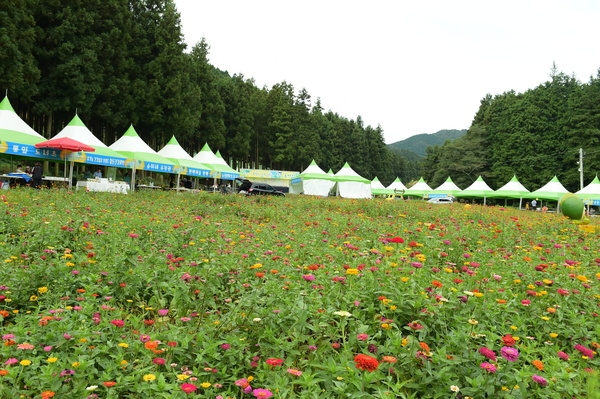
[
  {"x": 256, "y": 319},
  {"x": 342, "y": 313},
  {"x": 454, "y": 388},
  {"x": 91, "y": 387}
]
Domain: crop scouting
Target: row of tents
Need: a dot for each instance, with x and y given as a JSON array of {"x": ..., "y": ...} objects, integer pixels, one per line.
[
  {"x": 129, "y": 151},
  {"x": 349, "y": 184}
]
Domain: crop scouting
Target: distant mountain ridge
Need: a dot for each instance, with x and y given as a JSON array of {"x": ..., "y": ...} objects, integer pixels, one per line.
[{"x": 418, "y": 143}]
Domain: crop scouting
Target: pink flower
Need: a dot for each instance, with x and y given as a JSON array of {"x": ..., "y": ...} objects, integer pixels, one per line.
[
  {"x": 67, "y": 336},
  {"x": 188, "y": 388},
  {"x": 539, "y": 379},
  {"x": 488, "y": 353},
  {"x": 11, "y": 361},
  {"x": 308, "y": 277},
  {"x": 158, "y": 360},
  {"x": 510, "y": 354},
  {"x": 144, "y": 338},
  {"x": 262, "y": 393},
  {"x": 362, "y": 337},
  {"x": 489, "y": 367},
  {"x": 295, "y": 372},
  {"x": 47, "y": 348},
  {"x": 563, "y": 355},
  {"x": 163, "y": 312},
  {"x": 225, "y": 347},
  {"x": 584, "y": 351},
  {"x": 526, "y": 302},
  {"x": 117, "y": 323}
]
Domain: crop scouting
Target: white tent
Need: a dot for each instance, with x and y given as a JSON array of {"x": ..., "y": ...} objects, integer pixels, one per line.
[
  {"x": 379, "y": 189},
  {"x": 140, "y": 155},
  {"x": 446, "y": 189},
  {"x": 351, "y": 185},
  {"x": 184, "y": 163},
  {"x": 218, "y": 167},
  {"x": 591, "y": 192},
  {"x": 512, "y": 189},
  {"x": 397, "y": 186},
  {"x": 479, "y": 189},
  {"x": 315, "y": 181},
  {"x": 419, "y": 189},
  {"x": 553, "y": 190}
]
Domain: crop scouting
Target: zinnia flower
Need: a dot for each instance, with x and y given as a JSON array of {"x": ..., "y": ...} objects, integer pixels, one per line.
[
  {"x": 262, "y": 393},
  {"x": 585, "y": 351},
  {"x": 563, "y": 355},
  {"x": 488, "y": 353},
  {"x": 539, "y": 380},
  {"x": 508, "y": 340},
  {"x": 149, "y": 377},
  {"x": 272, "y": 361},
  {"x": 510, "y": 354},
  {"x": 488, "y": 367},
  {"x": 295, "y": 372},
  {"x": 365, "y": 362},
  {"x": 538, "y": 364},
  {"x": 188, "y": 388}
]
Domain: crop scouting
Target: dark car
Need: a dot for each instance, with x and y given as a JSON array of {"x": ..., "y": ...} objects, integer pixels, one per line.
[
  {"x": 244, "y": 185},
  {"x": 263, "y": 189}
]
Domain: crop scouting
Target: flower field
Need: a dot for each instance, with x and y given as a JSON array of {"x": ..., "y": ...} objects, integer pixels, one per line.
[{"x": 159, "y": 295}]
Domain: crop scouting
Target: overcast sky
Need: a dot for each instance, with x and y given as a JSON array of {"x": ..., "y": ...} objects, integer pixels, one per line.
[{"x": 410, "y": 66}]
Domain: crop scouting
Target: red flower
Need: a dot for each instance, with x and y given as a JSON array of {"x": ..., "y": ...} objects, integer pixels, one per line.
[
  {"x": 397, "y": 240},
  {"x": 508, "y": 340},
  {"x": 188, "y": 388},
  {"x": 109, "y": 384},
  {"x": 272, "y": 361},
  {"x": 365, "y": 362}
]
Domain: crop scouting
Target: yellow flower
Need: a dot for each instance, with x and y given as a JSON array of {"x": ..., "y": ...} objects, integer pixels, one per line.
[
  {"x": 33, "y": 298},
  {"x": 553, "y": 335},
  {"x": 478, "y": 294},
  {"x": 404, "y": 279},
  {"x": 339, "y": 378},
  {"x": 514, "y": 328},
  {"x": 124, "y": 362},
  {"x": 393, "y": 307},
  {"x": 352, "y": 271},
  {"x": 386, "y": 301},
  {"x": 404, "y": 342},
  {"x": 25, "y": 362},
  {"x": 473, "y": 322},
  {"x": 149, "y": 377},
  {"x": 123, "y": 345},
  {"x": 70, "y": 264},
  {"x": 42, "y": 290},
  {"x": 52, "y": 359},
  {"x": 205, "y": 385},
  {"x": 545, "y": 318},
  {"x": 250, "y": 378},
  {"x": 75, "y": 364},
  {"x": 517, "y": 281},
  {"x": 82, "y": 339},
  {"x": 386, "y": 326},
  {"x": 182, "y": 377}
]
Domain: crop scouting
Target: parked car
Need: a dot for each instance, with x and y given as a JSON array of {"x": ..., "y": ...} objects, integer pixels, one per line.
[
  {"x": 444, "y": 200},
  {"x": 264, "y": 189},
  {"x": 244, "y": 185}
]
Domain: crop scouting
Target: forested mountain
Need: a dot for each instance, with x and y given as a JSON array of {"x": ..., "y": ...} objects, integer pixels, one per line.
[
  {"x": 419, "y": 143},
  {"x": 534, "y": 135},
  {"x": 122, "y": 62}
]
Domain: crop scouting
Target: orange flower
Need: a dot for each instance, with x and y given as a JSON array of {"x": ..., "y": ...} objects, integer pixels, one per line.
[
  {"x": 47, "y": 394},
  {"x": 389, "y": 359},
  {"x": 4, "y": 313},
  {"x": 109, "y": 384},
  {"x": 3, "y": 372},
  {"x": 259, "y": 274},
  {"x": 424, "y": 346},
  {"x": 538, "y": 364},
  {"x": 366, "y": 362},
  {"x": 151, "y": 345},
  {"x": 437, "y": 284}
]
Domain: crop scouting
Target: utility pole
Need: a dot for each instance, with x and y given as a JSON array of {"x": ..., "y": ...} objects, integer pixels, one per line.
[{"x": 581, "y": 168}]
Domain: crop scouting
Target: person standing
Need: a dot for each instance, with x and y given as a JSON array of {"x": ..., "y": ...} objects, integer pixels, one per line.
[
  {"x": 534, "y": 205},
  {"x": 36, "y": 175},
  {"x": 98, "y": 174}
]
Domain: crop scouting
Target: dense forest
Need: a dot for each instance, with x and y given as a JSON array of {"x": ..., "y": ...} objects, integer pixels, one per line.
[{"x": 122, "y": 62}]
